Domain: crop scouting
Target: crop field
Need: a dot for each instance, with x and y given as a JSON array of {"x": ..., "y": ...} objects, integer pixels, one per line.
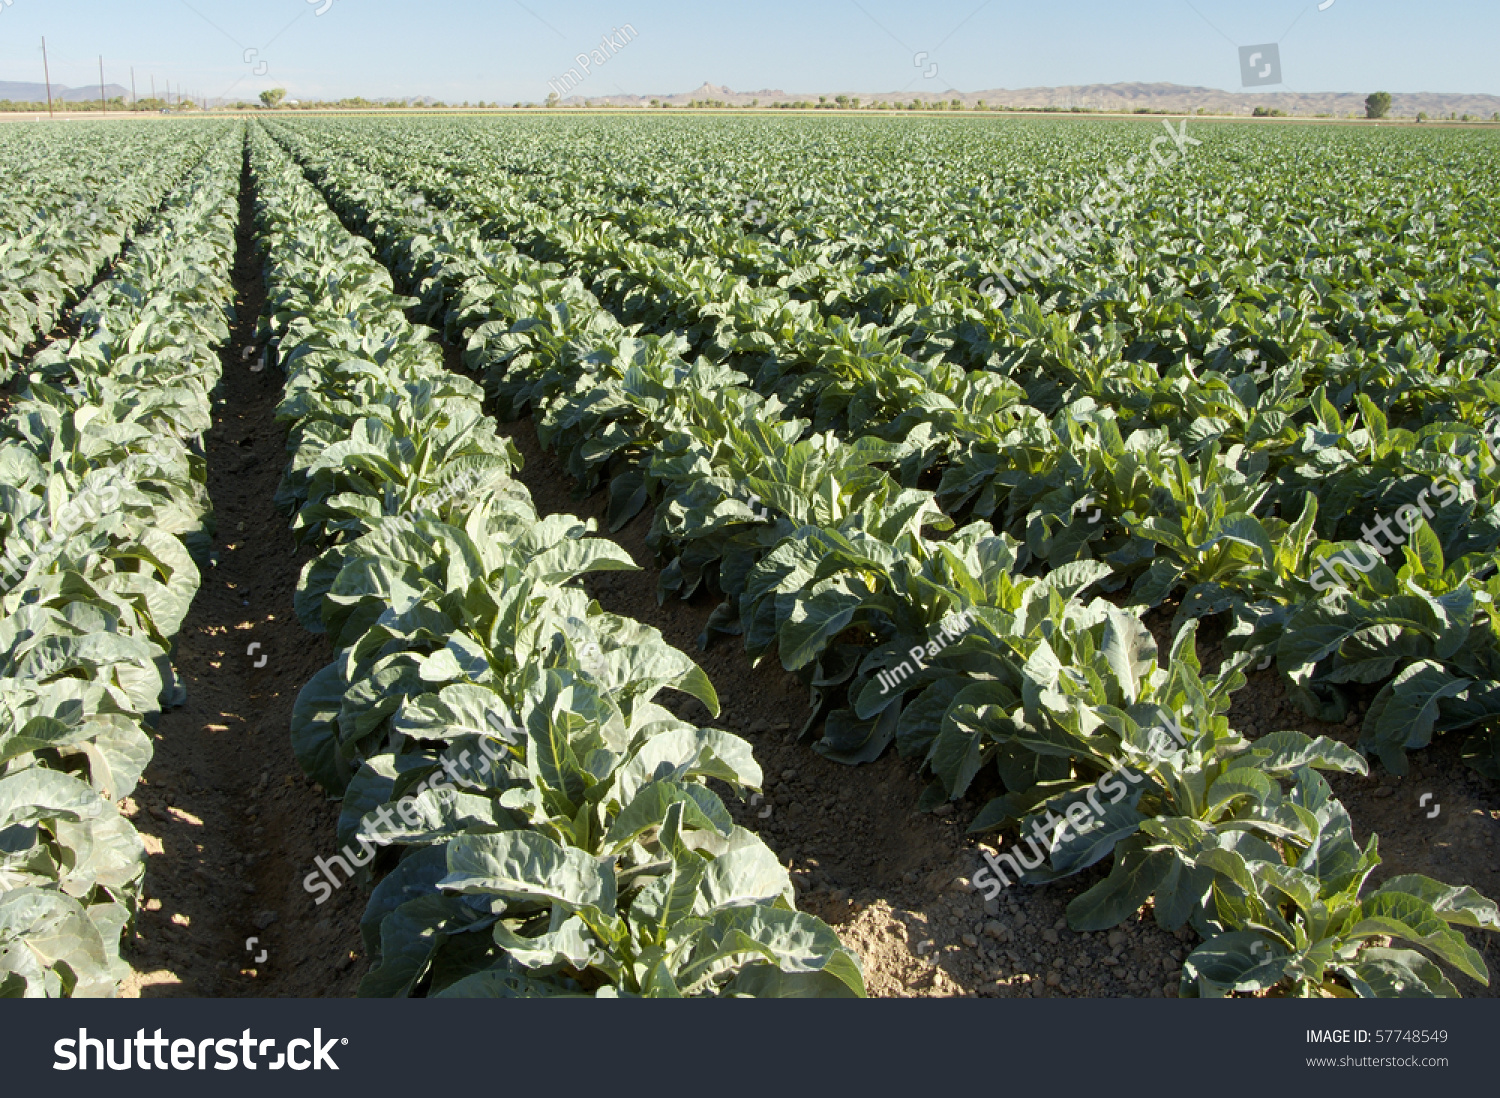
[{"x": 605, "y": 555}]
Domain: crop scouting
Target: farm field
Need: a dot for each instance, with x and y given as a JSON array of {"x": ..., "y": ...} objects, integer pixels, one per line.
[{"x": 785, "y": 557}]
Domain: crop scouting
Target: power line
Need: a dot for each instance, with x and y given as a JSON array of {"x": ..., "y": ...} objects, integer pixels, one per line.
[{"x": 47, "y": 76}]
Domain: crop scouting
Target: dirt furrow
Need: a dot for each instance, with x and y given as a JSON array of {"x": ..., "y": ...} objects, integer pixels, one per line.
[{"x": 231, "y": 823}]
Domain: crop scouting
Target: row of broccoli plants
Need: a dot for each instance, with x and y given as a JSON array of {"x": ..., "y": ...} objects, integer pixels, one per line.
[
  {"x": 1224, "y": 245},
  {"x": 582, "y": 223},
  {"x": 1184, "y": 503},
  {"x": 75, "y": 226},
  {"x": 871, "y": 381},
  {"x": 679, "y": 192},
  {"x": 103, "y": 510},
  {"x": 819, "y": 364},
  {"x": 1191, "y": 538},
  {"x": 1074, "y": 348},
  {"x": 540, "y": 824},
  {"x": 1241, "y": 840}
]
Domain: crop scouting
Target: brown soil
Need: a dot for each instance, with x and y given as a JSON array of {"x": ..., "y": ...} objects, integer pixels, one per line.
[{"x": 229, "y": 820}]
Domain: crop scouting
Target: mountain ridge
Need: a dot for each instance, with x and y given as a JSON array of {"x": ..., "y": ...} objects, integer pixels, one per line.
[
  {"x": 19, "y": 91},
  {"x": 1176, "y": 98}
]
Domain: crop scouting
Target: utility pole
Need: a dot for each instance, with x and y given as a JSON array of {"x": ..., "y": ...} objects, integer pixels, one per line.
[
  {"x": 153, "y": 93},
  {"x": 47, "y": 75},
  {"x": 103, "y": 102},
  {"x": 132, "y": 87}
]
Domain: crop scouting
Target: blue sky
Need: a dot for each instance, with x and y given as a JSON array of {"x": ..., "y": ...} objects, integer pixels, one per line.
[{"x": 509, "y": 49}]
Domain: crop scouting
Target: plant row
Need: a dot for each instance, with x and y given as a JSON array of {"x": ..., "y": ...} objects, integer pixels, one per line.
[
  {"x": 102, "y": 511},
  {"x": 539, "y": 824},
  {"x": 1194, "y": 485},
  {"x": 1049, "y": 690},
  {"x": 1186, "y": 504},
  {"x": 85, "y": 200}
]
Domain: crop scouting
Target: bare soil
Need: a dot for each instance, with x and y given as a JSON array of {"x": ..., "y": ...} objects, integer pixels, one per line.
[{"x": 231, "y": 823}]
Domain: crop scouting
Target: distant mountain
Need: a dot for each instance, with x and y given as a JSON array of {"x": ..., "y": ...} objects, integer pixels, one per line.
[
  {"x": 1174, "y": 98},
  {"x": 20, "y": 92},
  {"x": 1103, "y": 97}
]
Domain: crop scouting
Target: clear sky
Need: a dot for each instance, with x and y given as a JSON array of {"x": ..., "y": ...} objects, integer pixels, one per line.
[{"x": 508, "y": 50}]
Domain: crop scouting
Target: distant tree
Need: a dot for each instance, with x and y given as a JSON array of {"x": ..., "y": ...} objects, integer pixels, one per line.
[
  {"x": 272, "y": 98},
  {"x": 1378, "y": 105},
  {"x": 553, "y": 99}
]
